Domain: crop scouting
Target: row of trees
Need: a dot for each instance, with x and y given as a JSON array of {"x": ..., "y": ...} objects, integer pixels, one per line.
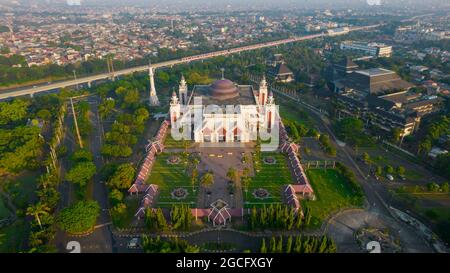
[
  {"x": 82, "y": 170},
  {"x": 120, "y": 178},
  {"x": 299, "y": 244},
  {"x": 351, "y": 178},
  {"x": 297, "y": 130},
  {"x": 129, "y": 124},
  {"x": 180, "y": 219},
  {"x": 276, "y": 217},
  {"x": 440, "y": 126},
  {"x": 157, "y": 245},
  {"x": 327, "y": 145},
  {"x": 43, "y": 226}
]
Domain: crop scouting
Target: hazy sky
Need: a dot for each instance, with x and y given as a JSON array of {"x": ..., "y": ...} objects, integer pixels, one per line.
[{"x": 244, "y": 3}]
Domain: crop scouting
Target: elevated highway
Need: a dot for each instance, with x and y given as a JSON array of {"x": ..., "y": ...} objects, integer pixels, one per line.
[{"x": 90, "y": 79}]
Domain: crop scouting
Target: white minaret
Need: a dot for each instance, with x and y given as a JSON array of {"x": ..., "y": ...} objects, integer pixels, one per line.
[
  {"x": 270, "y": 112},
  {"x": 263, "y": 91},
  {"x": 183, "y": 90},
  {"x": 154, "y": 101},
  {"x": 175, "y": 109}
]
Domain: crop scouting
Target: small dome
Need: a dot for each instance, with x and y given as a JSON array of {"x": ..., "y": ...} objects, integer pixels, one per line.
[{"x": 224, "y": 89}]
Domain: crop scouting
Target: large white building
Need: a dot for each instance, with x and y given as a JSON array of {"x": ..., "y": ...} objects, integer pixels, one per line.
[
  {"x": 223, "y": 112},
  {"x": 372, "y": 49}
]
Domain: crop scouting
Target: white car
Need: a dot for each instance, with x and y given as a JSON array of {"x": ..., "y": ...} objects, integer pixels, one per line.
[
  {"x": 390, "y": 177},
  {"x": 133, "y": 243}
]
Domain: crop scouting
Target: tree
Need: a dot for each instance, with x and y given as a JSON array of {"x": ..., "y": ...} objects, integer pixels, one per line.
[
  {"x": 81, "y": 173},
  {"x": 122, "y": 177},
  {"x": 348, "y": 128},
  {"x": 389, "y": 169},
  {"x": 366, "y": 157},
  {"x": 13, "y": 111},
  {"x": 207, "y": 180},
  {"x": 38, "y": 210},
  {"x": 445, "y": 187},
  {"x": 379, "y": 171},
  {"x": 194, "y": 177},
  {"x": 280, "y": 245},
  {"x": 233, "y": 175},
  {"x": 44, "y": 114},
  {"x": 128, "y": 97},
  {"x": 106, "y": 107},
  {"x": 80, "y": 217},
  {"x": 116, "y": 196},
  {"x": 111, "y": 150},
  {"x": 396, "y": 134},
  {"x": 401, "y": 170},
  {"x": 433, "y": 187},
  {"x": 141, "y": 115},
  {"x": 263, "y": 246},
  {"x": 289, "y": 245},
  {"x": 82, "y": 155},
  {"x": 424, "y": 147},
  {"x": 273, "y": 245},
  {"x": 246, "y": 182}
]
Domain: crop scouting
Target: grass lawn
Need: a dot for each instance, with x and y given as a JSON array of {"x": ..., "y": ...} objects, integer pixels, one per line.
[
  {"x": 13, "y": 236},
  {"x": 271, "y": 177},
  {"x": 172, "y": 143},
  {"x": 290, "y": 111},
  {"x": 333, "y": 192},
  {"x": 4, "y": 211},
  {"x": 169, "y": 177}
]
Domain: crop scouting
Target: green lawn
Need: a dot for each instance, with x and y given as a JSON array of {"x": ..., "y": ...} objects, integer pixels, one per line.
[
  {"x": 332, "y": 191},
  {"x": 12, "y": 237},
  {"x": 172, "y": 143},
  {"x": 271, "y": 177},
  {"x": 290, "y": 111},
  {"x": 169, "y": 177},
  {"x": 4, "y": 211}
]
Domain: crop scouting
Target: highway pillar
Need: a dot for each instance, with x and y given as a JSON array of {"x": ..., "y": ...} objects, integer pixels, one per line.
[{"x": 89, "y": 84}]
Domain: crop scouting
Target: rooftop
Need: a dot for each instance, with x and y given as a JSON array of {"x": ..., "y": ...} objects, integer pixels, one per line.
[
  {"x": 373, "y": 72},
  {"x": 245, "y": 96}
]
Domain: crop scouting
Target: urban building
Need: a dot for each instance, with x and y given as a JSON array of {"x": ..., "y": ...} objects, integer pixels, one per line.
[
  {"x": 372, "y": 49},
  {"x": 279, "y": 70},
  {"x": 380, "y": 98}
]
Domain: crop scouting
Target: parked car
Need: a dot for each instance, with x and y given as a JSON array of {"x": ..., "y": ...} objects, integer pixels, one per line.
[
  {"x": 390, "y": 177},
  {"x": 133, "y": 243}
]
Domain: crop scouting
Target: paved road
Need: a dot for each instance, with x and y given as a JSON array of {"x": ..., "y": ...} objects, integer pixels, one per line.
[
  {"x": 89, "y": 79},
  {"x": 101, "y": 240}
]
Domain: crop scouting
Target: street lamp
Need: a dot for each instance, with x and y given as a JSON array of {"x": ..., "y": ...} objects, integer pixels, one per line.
[{"x": 75, "y": 76}]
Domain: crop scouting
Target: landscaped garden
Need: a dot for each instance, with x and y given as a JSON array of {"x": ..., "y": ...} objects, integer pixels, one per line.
[
  {"x": 174, "y": 184},
  {"x": 333, "y": 192},
  {"x": 171, "y": 143},
  {"x": 266, "y": 186}
]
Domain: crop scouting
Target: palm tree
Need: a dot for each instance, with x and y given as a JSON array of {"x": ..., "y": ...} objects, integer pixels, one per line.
[
  {"x": 37, "y": 210},
  {"x": 233, "y": 175},
  {"x": 194, "y": 176},
  {"x": 207, "y": 180}
]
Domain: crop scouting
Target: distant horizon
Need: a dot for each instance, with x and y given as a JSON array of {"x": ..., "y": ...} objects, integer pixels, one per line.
[{"x": 234, "y": 4}]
